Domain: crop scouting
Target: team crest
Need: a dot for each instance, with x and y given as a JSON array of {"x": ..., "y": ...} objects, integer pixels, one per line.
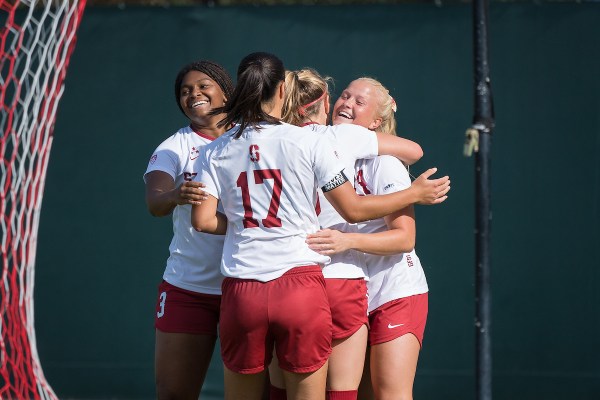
[
  {"x": 153, "y": 158},
  {"x": 254, "y": 154},
  {"x": 194, "y": 152}
]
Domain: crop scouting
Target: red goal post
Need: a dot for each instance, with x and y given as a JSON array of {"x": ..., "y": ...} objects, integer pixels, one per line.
[{"x": 36, "y": 42}]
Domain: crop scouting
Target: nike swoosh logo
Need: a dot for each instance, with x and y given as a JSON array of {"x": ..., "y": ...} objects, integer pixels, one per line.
[
  {"x": 394, "y": 326},
  {"x": 194, "y": 157}
]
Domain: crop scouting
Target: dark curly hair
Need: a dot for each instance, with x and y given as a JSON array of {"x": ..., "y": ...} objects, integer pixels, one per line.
[{"x": 216, "y": 72}]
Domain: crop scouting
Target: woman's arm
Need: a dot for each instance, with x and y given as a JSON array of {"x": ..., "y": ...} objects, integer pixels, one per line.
[
  {"x": 354, "y": 208},
  {"x": 206, "y": 218},
  {"x": 399, "y": 238},
  {"x": 405, "y": 150},
  {"x": 162, "y": 196}
]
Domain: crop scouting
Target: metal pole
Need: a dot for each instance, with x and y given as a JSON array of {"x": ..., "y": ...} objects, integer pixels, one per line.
[{"x": 483, "y": 124}]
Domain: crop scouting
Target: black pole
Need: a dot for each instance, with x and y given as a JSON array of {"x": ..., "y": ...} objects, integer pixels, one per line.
[{"x": 483, "y": 124}]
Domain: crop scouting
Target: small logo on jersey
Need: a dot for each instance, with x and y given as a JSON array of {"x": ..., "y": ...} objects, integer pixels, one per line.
[
  {"x": 194, "y": 153},
  {"x": 153, "y": 158},
  {"x": 188, "y": 176},
  {"x": 394, "y": 326},
  {"x": 254, "y": 154},
  {"x": 389, "y": 186},
  {"x": 409, "y": 260}
]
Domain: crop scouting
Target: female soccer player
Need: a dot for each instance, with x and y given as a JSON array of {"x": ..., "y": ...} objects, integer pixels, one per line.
[
  {"x": 187, "y": 309},
  {"x": 307, "y": 105},
  {"x": 397, "y": 286},
  {"x": 265, "y": 174}
]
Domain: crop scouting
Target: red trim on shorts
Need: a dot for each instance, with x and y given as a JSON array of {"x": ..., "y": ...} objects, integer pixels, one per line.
[{"x": 398, "y": 317}]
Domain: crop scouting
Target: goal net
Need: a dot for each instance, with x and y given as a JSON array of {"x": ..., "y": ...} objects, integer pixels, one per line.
[{"x": 36, "y": 41}]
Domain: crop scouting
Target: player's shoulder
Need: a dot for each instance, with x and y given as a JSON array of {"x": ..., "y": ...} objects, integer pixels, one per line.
[
  {"x": 317, "y": 128},
  {"x": 182, "y": 133},
  {"x": 297, "y": 135},
  {"x": 220, "y": 142},
  {"x": 390, "y": 167},
  {"x": 387, "y": 161},
  {"x": 350, "y": 129},
  {"x": 179, "y": 136}
]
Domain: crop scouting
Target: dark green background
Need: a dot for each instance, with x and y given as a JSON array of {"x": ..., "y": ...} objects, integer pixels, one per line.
[{"x": 101, "y": 255}]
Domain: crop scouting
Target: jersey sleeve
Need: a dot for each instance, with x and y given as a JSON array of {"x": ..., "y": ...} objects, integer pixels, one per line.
[
  {"x": 326, "y": 163},
  {"x": 166, "y": 159},
  {"x": 207, "y": 174},
  {"x": 358, "y": 142},
  {"x": 390, "y": 175}
]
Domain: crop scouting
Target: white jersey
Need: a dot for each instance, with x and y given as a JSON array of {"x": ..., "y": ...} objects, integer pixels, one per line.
[
  {"x": 352, "y": 142},
  {"x": 396, "y": 276},
  {"x": 266, "y": 181},
  {"x": 195, "y": 257}
]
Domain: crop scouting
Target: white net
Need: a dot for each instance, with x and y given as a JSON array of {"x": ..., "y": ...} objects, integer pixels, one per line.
[{"x": 36, "y": 41}]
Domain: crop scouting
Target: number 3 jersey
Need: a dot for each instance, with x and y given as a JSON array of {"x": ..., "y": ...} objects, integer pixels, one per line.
[
  {"x": 194, "y": 257},
  {"x": 396, "y": 276},
  {"x": 266, "y": 181}
]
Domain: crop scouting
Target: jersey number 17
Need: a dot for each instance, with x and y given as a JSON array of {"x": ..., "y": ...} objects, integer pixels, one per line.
[{"x": 260, "y": 175}]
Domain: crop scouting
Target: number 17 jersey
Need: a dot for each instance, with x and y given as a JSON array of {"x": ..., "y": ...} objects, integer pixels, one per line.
[{"x": 266, "y": 181}]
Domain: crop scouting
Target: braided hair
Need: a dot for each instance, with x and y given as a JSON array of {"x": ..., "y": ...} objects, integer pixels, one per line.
[{"x": 213, "y": 70}]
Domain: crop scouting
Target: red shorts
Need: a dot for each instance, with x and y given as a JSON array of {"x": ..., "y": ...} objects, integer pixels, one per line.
[
  {"x": 397, "y": 318},
  {"x": 183, "y": 311},
  {"x": 348, "y": 302},
  {"x": 290, "y": 313}
]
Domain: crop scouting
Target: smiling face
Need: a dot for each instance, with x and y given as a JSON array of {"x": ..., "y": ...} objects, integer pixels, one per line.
[
  {"x": 358, "y": 104},
  {"x": 198, "y": 95}
]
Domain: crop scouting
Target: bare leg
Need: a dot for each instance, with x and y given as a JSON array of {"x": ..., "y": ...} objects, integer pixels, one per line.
[
  {"x": 393, "y": 368},
  {"x": 243, "y": 386},
  {"x": 309, "y": 386},
  {"x": 181, "y": 362},
  {"x": 365, "y": 390},
  {"x": 346, "y": 361},
  {"x": 276, "y": 373}
]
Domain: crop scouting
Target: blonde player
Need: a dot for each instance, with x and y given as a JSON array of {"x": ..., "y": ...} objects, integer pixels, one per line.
[
  {"x": 187, "y": 309},
  {"x": 397, "y": 286},
  {"x": 307, "y": 105},
  {"x": 265, "y": 173}
]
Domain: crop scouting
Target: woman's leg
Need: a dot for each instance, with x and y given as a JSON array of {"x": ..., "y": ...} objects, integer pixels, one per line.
[
  {"x": 243, "y": 386},
  {"x": 277, "y": 381},
  {"x": 346, "y": 361},
  {"x": 181, "y": 362},
  {"x": 393, "y": 367},
  {"x": 310, "y": 386},
  {"x": 365, "y": 390},
  {"x": 348, "y": 303}
]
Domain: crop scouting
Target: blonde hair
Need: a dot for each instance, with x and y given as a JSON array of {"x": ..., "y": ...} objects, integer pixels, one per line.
[
  {"x": 386, "y": 106},
  {"x": 305, "y": 90}
]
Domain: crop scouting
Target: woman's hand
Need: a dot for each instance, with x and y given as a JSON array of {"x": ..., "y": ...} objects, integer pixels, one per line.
[
  {"x": 190, "y": 192},
  {"x": 329, "y": 241}
]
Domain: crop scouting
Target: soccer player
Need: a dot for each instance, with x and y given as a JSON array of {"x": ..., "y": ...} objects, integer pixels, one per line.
[
  {"x": 307, "y": 104},
  {"x": 265, "y": 174},
  {"x": 187, "y": 309},
  {"x": 397, "y": 286}
]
